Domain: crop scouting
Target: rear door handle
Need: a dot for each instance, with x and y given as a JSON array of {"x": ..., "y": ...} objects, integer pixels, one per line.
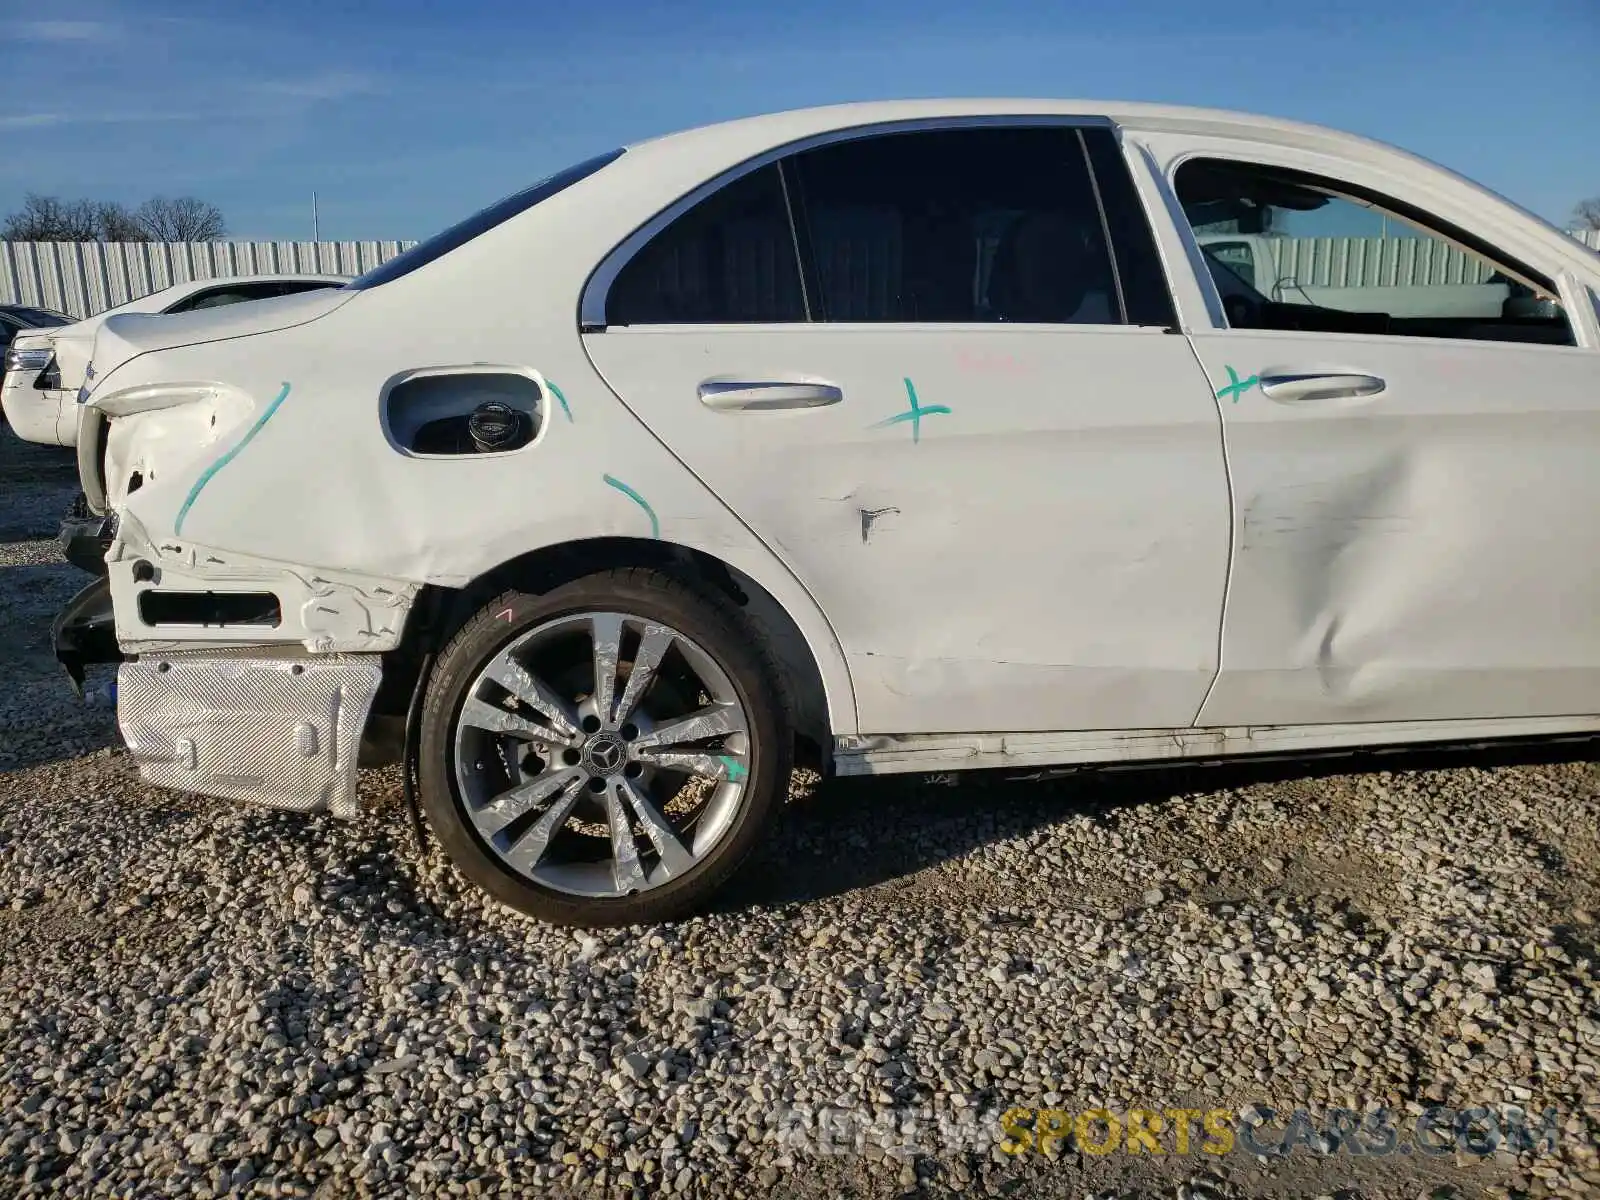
[
  {"x": 742, "y": 395},
  {"x": 1296, "y": 388}
]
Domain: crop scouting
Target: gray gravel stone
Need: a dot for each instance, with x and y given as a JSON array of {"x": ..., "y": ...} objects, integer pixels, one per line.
[{"x": 201, "y": 997}]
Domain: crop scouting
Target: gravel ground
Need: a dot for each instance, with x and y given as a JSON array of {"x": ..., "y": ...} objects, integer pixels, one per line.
[{"x": 202, "y": 998}]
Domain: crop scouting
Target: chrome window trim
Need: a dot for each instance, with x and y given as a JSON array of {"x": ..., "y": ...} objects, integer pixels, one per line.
[{"x": 592, "y": 303}]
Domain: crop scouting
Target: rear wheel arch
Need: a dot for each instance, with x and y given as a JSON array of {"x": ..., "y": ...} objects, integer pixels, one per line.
[{"x": 440, "y": 612}]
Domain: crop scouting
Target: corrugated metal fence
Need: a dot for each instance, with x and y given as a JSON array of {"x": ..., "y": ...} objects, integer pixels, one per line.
[
  {"x": 1384, "y": 262},
  {"x": 82, "y": 278},
  {"x": 1375, "y": 262}
]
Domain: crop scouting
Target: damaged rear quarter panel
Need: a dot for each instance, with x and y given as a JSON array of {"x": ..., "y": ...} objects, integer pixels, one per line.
[{"x": 320, "y": 500}]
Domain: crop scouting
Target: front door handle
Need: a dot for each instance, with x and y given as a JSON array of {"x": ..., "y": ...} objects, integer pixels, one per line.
[
  {"x": 1319, "y": 385},
  {"x": 742, "y": 395}
]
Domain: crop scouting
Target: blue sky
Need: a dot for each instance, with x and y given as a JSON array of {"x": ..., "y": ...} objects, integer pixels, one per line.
[{"x": 408, "y": 114}]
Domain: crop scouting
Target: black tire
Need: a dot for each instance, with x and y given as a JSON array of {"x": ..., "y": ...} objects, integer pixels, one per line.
[{"x": 720, "y": 630}]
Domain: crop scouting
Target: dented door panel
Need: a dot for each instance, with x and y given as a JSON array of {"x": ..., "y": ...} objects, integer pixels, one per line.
[
  {"x": 1424, "y": 553},
  {"x": 1040, "y": 544}
]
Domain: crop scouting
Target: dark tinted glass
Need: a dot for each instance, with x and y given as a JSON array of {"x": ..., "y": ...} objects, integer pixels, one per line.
[
  {"x": 37, "y": 318},
  {"x": 294, "y": 288},
  {"x": 1144, "y": 283},
  {"x": 244, "y": 292},
  {"x": 729, "y": 260},
  {"x": 501, "y": 211},
  {"x": 217, "y": 299},
  {"x": 956, "y": 225}
]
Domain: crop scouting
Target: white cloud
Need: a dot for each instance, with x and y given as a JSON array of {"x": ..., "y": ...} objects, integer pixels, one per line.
[
  {"x": 328, "y": 85},
  {"x": 48, "y": 120},
  {"x": 31, "y": 120},
  {"x": 63, "y": 31}
]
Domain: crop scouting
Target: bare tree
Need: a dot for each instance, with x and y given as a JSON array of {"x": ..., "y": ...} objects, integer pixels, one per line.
[
  {"x": 1587, "y": 214},
  {"x": 182, "y": 219},
  {"x": 117, "y": 224},
  {"x": 51, "y": 219}
]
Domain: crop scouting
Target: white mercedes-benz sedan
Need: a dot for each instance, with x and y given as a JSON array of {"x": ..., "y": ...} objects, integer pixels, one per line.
[
  {"x": 44, "y": 368},
  {"x": 907, "y": 436}
]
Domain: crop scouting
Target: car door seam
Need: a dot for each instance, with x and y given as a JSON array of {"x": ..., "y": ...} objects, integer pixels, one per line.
[
  {"x": 765, "y": 544},
  {"x": 1233, "y": 531}
]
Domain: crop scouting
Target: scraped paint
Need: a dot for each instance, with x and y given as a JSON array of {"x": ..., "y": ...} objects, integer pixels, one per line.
[{"x": 206, "y": 475}]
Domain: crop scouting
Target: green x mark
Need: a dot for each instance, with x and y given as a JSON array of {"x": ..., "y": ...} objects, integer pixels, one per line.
[
  {"x": 736, "y": 769},
  {"x": 1237, "y": 387},
  {"x": 914, "y": 414}
]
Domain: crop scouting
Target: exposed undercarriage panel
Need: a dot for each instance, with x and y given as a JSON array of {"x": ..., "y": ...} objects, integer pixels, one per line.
[{"x": 279, "y": 730}]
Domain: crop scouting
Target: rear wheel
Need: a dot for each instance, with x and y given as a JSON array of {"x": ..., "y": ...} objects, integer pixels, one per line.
[{"x": 605, "y": 753}]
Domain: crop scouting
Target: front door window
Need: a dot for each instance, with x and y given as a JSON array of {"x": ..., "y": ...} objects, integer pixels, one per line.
[{"x": 1320, "y": 256}]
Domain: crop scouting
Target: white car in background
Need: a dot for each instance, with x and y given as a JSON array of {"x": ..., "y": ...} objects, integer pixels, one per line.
[
  {"x": 45, "y": 368},
  {"x": 920, "y": 434}
]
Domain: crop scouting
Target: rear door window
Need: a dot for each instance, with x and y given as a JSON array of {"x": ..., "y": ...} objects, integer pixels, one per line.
[
  {"x": 729, "y": 260},
  {"x": 958, "y": 226},
  {"x": 1024, "y": 224}
]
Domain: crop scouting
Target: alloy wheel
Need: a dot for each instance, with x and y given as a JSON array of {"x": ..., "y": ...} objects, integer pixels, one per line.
[{"x": 601, "y": 754}]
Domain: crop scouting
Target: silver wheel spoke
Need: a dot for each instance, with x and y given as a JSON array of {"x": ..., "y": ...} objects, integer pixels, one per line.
[
  {"x": 676, "y": 858},
  {"x": 713, "y": 721},
  {"x": 711, "y": 766},
  {"x": 517, "y": 680},
  {"x": 508, "y": 806},
  {"x": 625, "y": 867},
  {"x": 480, "y": 714},
  {"x": 527, "y": 851},
  {"x": 653, "y": 646},
  {"x": 606, "y": 630},
  {"x": 552, "y": 736}
]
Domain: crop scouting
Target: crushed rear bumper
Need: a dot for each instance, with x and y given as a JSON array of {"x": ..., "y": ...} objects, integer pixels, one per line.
[
  {"x": 84, "y": 632},
  {"x": 85, "y": 537},
  {"x": 273, "y": 726}
]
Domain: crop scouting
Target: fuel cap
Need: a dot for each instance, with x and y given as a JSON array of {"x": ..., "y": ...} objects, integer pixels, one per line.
[{"x": 495, "y": 426}]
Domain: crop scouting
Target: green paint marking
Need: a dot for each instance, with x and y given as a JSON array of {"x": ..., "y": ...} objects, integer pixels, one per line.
[
  {"x": 559, "y": 395},
  {"x": 1237, "y": 387},
  {"x": 736, "y": 769},
  {"x": 205, "y": 476},
  {"x": 655, "y": 525},
  {"x": 914, "y": 414}
]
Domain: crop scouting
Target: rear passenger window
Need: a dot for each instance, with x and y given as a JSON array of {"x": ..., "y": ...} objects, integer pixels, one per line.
[
  {"x": 959, "y": 225},
  {"x": 729, "y": 260}
]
